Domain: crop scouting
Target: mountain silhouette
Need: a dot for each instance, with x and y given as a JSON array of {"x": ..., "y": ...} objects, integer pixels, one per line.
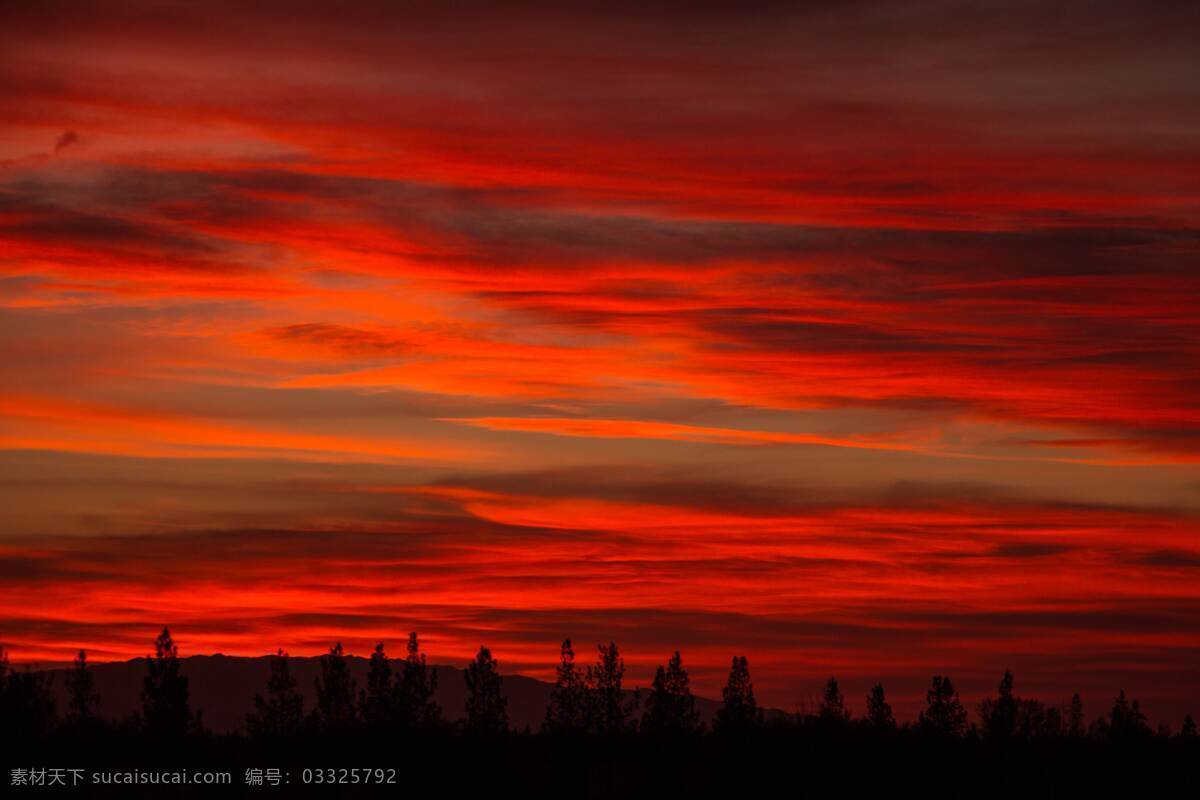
[{"x": 222, "y": 689}]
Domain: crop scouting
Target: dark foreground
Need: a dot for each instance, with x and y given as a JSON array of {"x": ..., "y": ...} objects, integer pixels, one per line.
[
  {"x": 597, "y": 740},
  {"x": 785, "y": 760}
]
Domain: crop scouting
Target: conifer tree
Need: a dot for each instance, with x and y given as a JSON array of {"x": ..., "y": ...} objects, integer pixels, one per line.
[
  {"x": 82, "y": 698},
  {"x": 377, "y": 702},
  {"x": 27, "y": 708},
  {"x": 611, "y": 711},
  {"x": 280, "y": 714},
  {"x": 1126, "y": 719},
  {"x": 999, "y": 714},
  {"x": 833, "y": 705},
  {"x": 487, "y": 707},
  {"x": 567, "y": 711},
  {"x": 1076, "y": 725},
  {"x": 944, "y": 713},
  {"x": 415, "y": 689},
  {"x": 336, "y": 711},
  {"x": 165, "y": 708},
  {"x": 670, "y": 706},
  {"x": 879, "y": 711},
  {"x": 739, "y": 713}
]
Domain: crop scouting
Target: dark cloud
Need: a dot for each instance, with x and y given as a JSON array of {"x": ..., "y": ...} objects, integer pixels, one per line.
[
  {"x": 1113, "y": 617},
  {"x": 771, "y": 329},
  {"x": 64, "y": 141},
  {"x": 1030, "y": 549},
  {"x": 353, "y": 341},
  {"x": 1171, "y": 558}
]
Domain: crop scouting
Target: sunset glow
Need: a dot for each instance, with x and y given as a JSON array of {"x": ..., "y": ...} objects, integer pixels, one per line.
[{"x": 862, "y": 344}]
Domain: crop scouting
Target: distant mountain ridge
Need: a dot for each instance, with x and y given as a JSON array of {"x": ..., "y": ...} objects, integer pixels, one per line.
[{"x": 222, "y": 689}]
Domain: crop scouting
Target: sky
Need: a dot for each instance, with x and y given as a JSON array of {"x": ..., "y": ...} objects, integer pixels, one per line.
[{"x": 861, "y": 339}]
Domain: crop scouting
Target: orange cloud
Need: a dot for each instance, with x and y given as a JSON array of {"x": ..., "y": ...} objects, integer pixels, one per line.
[
  {"x": 634, "y": 429},
  {"x": 45, "y": 423}
]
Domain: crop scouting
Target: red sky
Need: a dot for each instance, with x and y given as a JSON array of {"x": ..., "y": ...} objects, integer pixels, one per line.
[{"x": 860, "y": 339}]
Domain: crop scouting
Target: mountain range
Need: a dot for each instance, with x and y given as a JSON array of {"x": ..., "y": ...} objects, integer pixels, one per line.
[{"x": 222, "y": 689}]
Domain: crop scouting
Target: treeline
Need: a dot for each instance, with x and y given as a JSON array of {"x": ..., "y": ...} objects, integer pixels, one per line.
[
  {"x": 585, "y": 700},
  {"x": 597, "y": 739}
]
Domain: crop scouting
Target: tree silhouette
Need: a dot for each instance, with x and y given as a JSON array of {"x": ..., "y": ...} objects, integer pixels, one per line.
[
  {"x": 377, "y": 703},
  {"x": 999, "y": 714},
  {"x": 165, "y": 708},
  {"x": 1036, "y": 720},
  {"x": 611, "y": 711},
  {"x": 739, "y": 713},
  {"x": 1126, "y": 720},
  {"x": 670, "y": 706},
  {"x": 879, "y": 711},
  {"x": 487, "y": 707},
  {"x": 335, "y": 711},
  {"x": 944, "y": 713},
  {"x": 5, "y": 669},
  {"x": 567, "y": 711},
  {"x": 1076, "y": 725},
  {"x": 833, "y": 705},
  {"x": 27, "y": 705},
  {"x": 82, "y": 698},
  {"x": 415, "y": 689},
  {"x": 1019, "y": 747},
  {"x": 26, "y": 702},
  {"x": 281, "y": 713}
]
